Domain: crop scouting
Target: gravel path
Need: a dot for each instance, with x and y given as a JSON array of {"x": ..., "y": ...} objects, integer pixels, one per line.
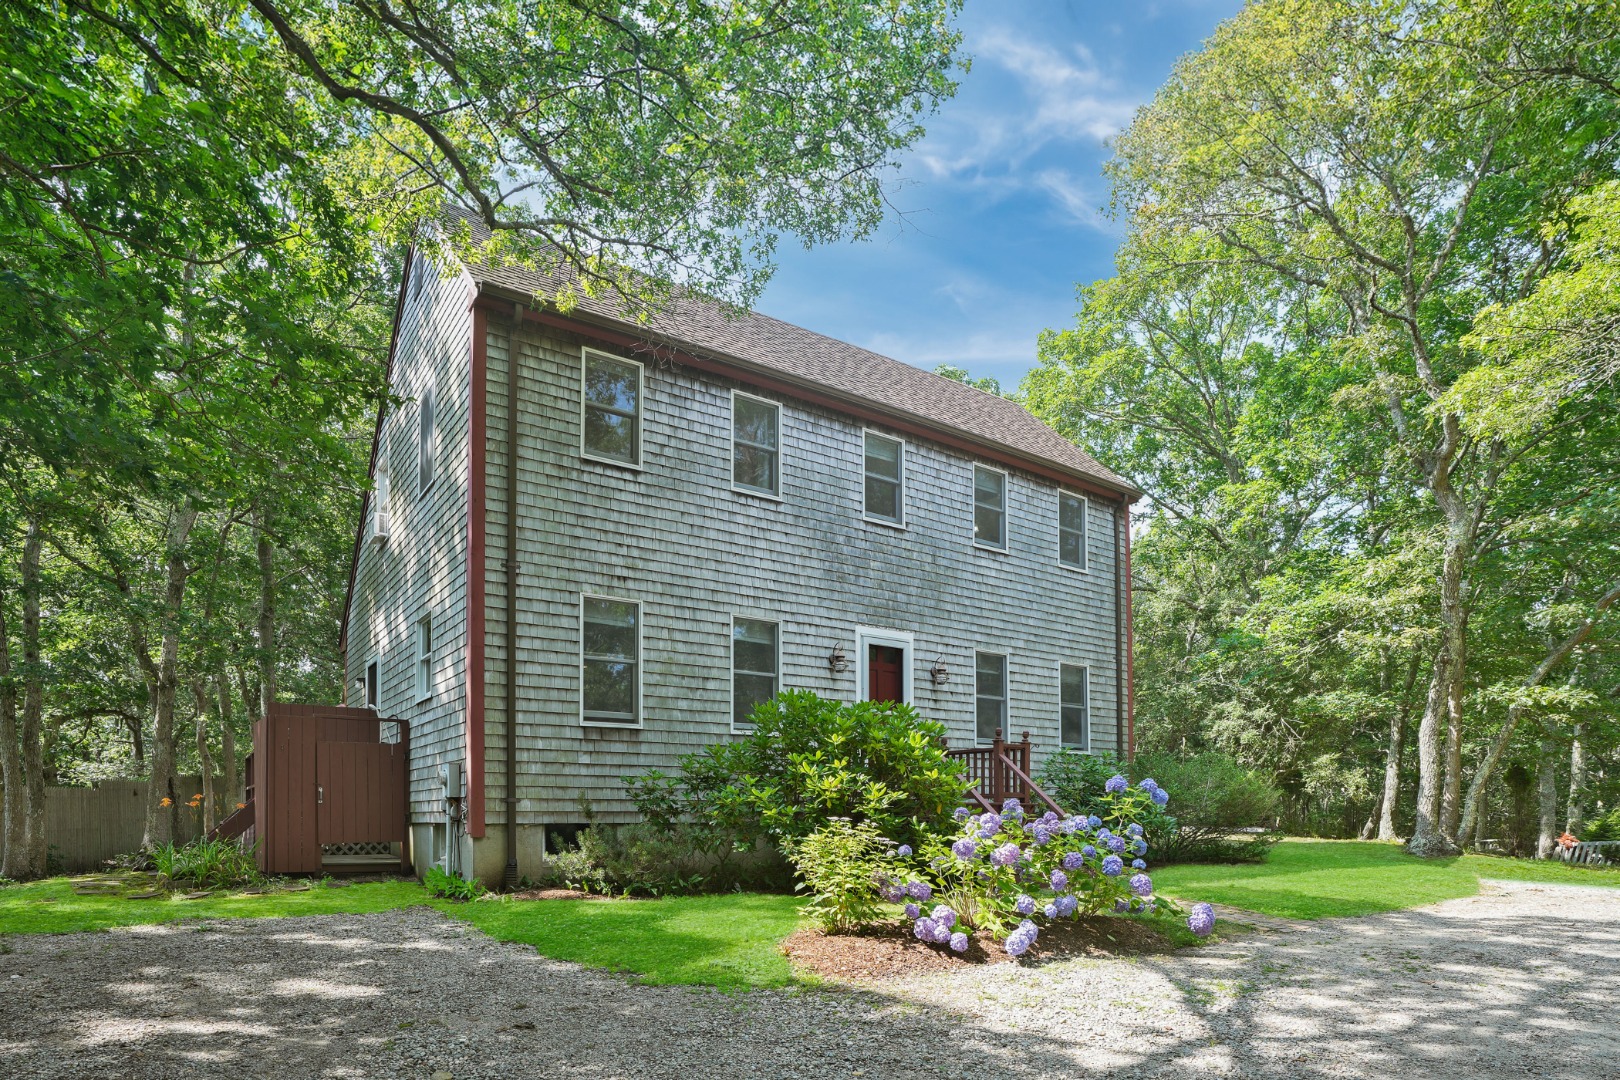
[{"x": 1523, "y": 980}]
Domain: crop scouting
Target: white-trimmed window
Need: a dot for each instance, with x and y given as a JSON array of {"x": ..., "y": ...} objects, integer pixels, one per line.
[
  {"x": 756, "y": 445},
  {"x": 989, "y": 508},
  {"x": 885, "y": 479},
  {"x": 610, "y": 661},
  {"x": 1074, "y": 706},
  {"x": 427, "y": 443},
  {"x": 1073, "y": 512},
  {"x": 373, "y": 684},
  {"x": 756, "y": 667},
  {"x": 990, "y": 694},
  {"x": 610, "y": 409},
  {"x": 424, "y": 657}
]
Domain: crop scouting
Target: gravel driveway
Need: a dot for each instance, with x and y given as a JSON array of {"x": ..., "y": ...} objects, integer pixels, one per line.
[{"x": 1523, "y": 980}]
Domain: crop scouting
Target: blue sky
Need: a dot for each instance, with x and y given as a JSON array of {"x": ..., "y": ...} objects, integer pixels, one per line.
[{"x": 1001, "y": 206}]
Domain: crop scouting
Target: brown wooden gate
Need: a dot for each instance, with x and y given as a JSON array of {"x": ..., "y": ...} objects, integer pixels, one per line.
[{"x": 359, "y": 792}]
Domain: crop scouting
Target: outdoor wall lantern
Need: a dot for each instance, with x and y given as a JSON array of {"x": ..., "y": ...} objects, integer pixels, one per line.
[
  {"x": 939, "y": 672},
  {"x": 837, "y": 662}
]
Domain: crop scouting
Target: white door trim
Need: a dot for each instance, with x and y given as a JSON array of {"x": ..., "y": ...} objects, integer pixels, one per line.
[{"x": 903, "y": 640}]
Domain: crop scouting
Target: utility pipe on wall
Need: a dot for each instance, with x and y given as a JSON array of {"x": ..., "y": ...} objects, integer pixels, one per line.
[{"x": 510, "y": 877}]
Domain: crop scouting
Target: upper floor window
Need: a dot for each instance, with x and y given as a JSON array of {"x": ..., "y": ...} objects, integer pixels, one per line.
[
  {"x": 610, "y": 661},
  {"x": 424, "y": 657},
  {"x": 990, "y": 694},
  {"x": 1072, "y": 513},
  {"x": 756, "y": 435},
  {"x": 611, "y": 405},
  {"x": 989, "y": 508},
  {"x": 426, "y": 439},
  {"x": 755, "y": 667},
  {"x": 1074, "y": 706},
  {"x": 373, "y": 685},
  {"x": 885, "y": 479}
]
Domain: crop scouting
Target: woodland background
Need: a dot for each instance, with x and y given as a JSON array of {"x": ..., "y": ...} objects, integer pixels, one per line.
[{"x": 1360, "y": 352}]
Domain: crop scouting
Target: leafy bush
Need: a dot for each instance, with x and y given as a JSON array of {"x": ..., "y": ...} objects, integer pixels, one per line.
[
  {"x": 1603, "y": 827},
  {"x": 838, "y": 866},
  {"x": 1218, "y": 802},
  {"x": 207, "y": 863},
  {"x": 452, "y": 886},
  {"x": 1005, "y": 872},
  {"x": 807, "y": 761}
]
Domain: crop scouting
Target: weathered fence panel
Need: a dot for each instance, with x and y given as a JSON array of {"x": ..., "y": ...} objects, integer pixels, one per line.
[
  {"x": 86, "y": 826},
  {"x": 1591, "y": 853}
]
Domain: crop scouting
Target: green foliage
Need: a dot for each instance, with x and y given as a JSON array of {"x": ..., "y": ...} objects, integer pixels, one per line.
[
  {"x": 208, "y": 863},
  {"x": 451, "y": 886},
  {"x": 1603, "y": 827},
  {"x": 1223, "y": 812},
  {"x": 1075, "y": 781},
  {"x": 838, "y": 866},
  {"x": 1325, "y": 879},
  {"x": 808, "y": 760}
]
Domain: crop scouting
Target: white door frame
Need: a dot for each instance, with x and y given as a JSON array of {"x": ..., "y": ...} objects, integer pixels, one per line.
[{"x": 903, "y": 640}]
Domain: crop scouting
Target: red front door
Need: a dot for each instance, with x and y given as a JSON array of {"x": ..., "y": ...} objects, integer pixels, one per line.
[{"x": 885, "y": 673}]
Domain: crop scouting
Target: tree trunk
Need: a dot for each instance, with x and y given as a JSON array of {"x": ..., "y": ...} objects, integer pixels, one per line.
[
  {"x": 1574, "y": 814},
  {"x": 162, "y": 811},
  {"x": 1370, "y": 827},
  {"x": 1451, "y": 798},
  {"x": 14, "y": 854},
  {"x": 1427, "y": 836},
  {"x": 267, "y": 616},
  {"x": 1392, "y": 758},
  {"x": 33, "y": 736},
  {"x": 205, "y": 758},
  {"x": 1547, "y": 836},
  {"x": 227, "y": 744}
]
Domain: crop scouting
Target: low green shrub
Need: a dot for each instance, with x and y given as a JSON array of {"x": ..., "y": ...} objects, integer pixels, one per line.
[
  {"x": 208, "y": 864},
  {"x": 452, "y": 886},
  {"x": 807, "y": 761},
  {"x": 1603, "y": 827},
  {"x": 1222, "y": 812},
  {"x": 839, "y": 866}
]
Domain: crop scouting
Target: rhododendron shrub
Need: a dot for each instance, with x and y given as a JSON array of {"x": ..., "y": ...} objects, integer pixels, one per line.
[{"x": 1006, "y": 872}]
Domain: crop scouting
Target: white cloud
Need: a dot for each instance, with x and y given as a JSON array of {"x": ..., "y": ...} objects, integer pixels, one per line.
[
  {"x": 1072, "y": 98},
  {"x": 1077, "y": 198}
]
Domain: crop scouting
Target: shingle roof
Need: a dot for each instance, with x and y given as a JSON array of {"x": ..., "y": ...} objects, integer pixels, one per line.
[{"x": 705, "y": 329}]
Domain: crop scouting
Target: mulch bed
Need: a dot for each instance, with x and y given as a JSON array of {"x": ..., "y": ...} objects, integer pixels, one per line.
[
  {"x": 892, "y": 952},
  {"x": 552, "y": 894}
]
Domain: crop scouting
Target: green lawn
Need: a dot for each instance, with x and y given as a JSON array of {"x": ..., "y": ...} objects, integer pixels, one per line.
[
  {"x": 729, "y": 941},
  {"x": 1318, "y": 879},
  {"x": 52, "y": 907}
]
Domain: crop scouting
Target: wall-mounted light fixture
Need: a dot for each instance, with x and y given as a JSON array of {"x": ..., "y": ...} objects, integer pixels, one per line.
[
  {"x": 837, "y": 662},
  {"x": 939, "y": 672}
]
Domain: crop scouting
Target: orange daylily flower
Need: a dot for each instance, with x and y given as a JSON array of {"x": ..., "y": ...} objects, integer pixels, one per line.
[
  {"x": 166, "y": 801},
  {"x": 241, "y": 806}
]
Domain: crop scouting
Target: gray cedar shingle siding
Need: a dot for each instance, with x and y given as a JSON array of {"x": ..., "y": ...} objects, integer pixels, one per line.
[
  {"x": 422, "y": 568},
  {"x": 676, "y": 537}
]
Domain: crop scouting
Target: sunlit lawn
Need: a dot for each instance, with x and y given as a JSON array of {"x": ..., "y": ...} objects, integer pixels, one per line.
[{"x": 1316, "y": 879}]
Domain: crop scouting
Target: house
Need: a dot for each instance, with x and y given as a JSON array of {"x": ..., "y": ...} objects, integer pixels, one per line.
[{"x": 685, "y": 517}]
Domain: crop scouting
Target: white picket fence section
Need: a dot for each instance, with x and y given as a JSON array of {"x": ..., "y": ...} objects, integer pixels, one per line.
[{"x": 1591, "y": 853}]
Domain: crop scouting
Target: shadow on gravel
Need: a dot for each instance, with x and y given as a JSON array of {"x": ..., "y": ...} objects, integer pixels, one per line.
[{"x": 1432, "y": 994}]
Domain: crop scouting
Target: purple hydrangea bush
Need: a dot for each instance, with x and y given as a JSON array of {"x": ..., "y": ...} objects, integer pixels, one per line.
[{"x": 1005, "y": 872}]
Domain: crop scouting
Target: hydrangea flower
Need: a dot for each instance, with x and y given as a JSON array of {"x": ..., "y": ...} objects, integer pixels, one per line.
[
  {"x": 1116, "y": 784},
  {"x": 1088, "y": 852},
  {"x": 1066, "y": 905},
  {"x": 913, "y": 911},
  {"x": 923, "y": 930},
  {"x": 891, "y": 891},
  {"x": 904, "y": 851},
  {"x": 942, "y": 934},
  {"x": 1133, "y": 829},
  {"x": 1113, "y": 866},
  {"x": 1148, "y": 785},
  {"x": 1094, "y": 821},
  {"x": 1122, "y": 905},
  {"x": 964, "y": 849},
  {"x": 919, "y": 890},
  {"x": 1059, "y": 881},
  {"x": 1138, "y": 864},
  {"x": 1019, "y": 941},
  {"x": 1011, "y": 805},
  {"x": 1116, "y": 844},
  {"x": 944, "y": 916},
  {"x": 1050, "y": 911},
  {"x": 1202, "y": 919},
  {"x": 1073, "y": 860},
  {"x": 1141, "y": 885},
  {"x": 1006, "y": 855},
  {"x": 1024, "y": 905},
  {"x": 1103, "y": 834},
  {"x": 1160, "y": 796},
  {"x": 961, "y": 813},
  {"x": 1041, "y": 833},
  {"x": 990, "y": 821},
  {"x": 1140, "y": 847},
  {"x": 959, "y": 942}
]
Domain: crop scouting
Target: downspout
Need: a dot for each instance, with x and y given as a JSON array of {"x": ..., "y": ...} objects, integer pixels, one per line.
[
  {"x": 1130, "y": 646},
  {"x": 1119, "y": 629},
  {"x": 510, "y": 878}
]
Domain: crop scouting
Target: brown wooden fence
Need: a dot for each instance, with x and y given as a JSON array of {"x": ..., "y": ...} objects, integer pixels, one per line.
[{"x": 86, "y": 826}]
